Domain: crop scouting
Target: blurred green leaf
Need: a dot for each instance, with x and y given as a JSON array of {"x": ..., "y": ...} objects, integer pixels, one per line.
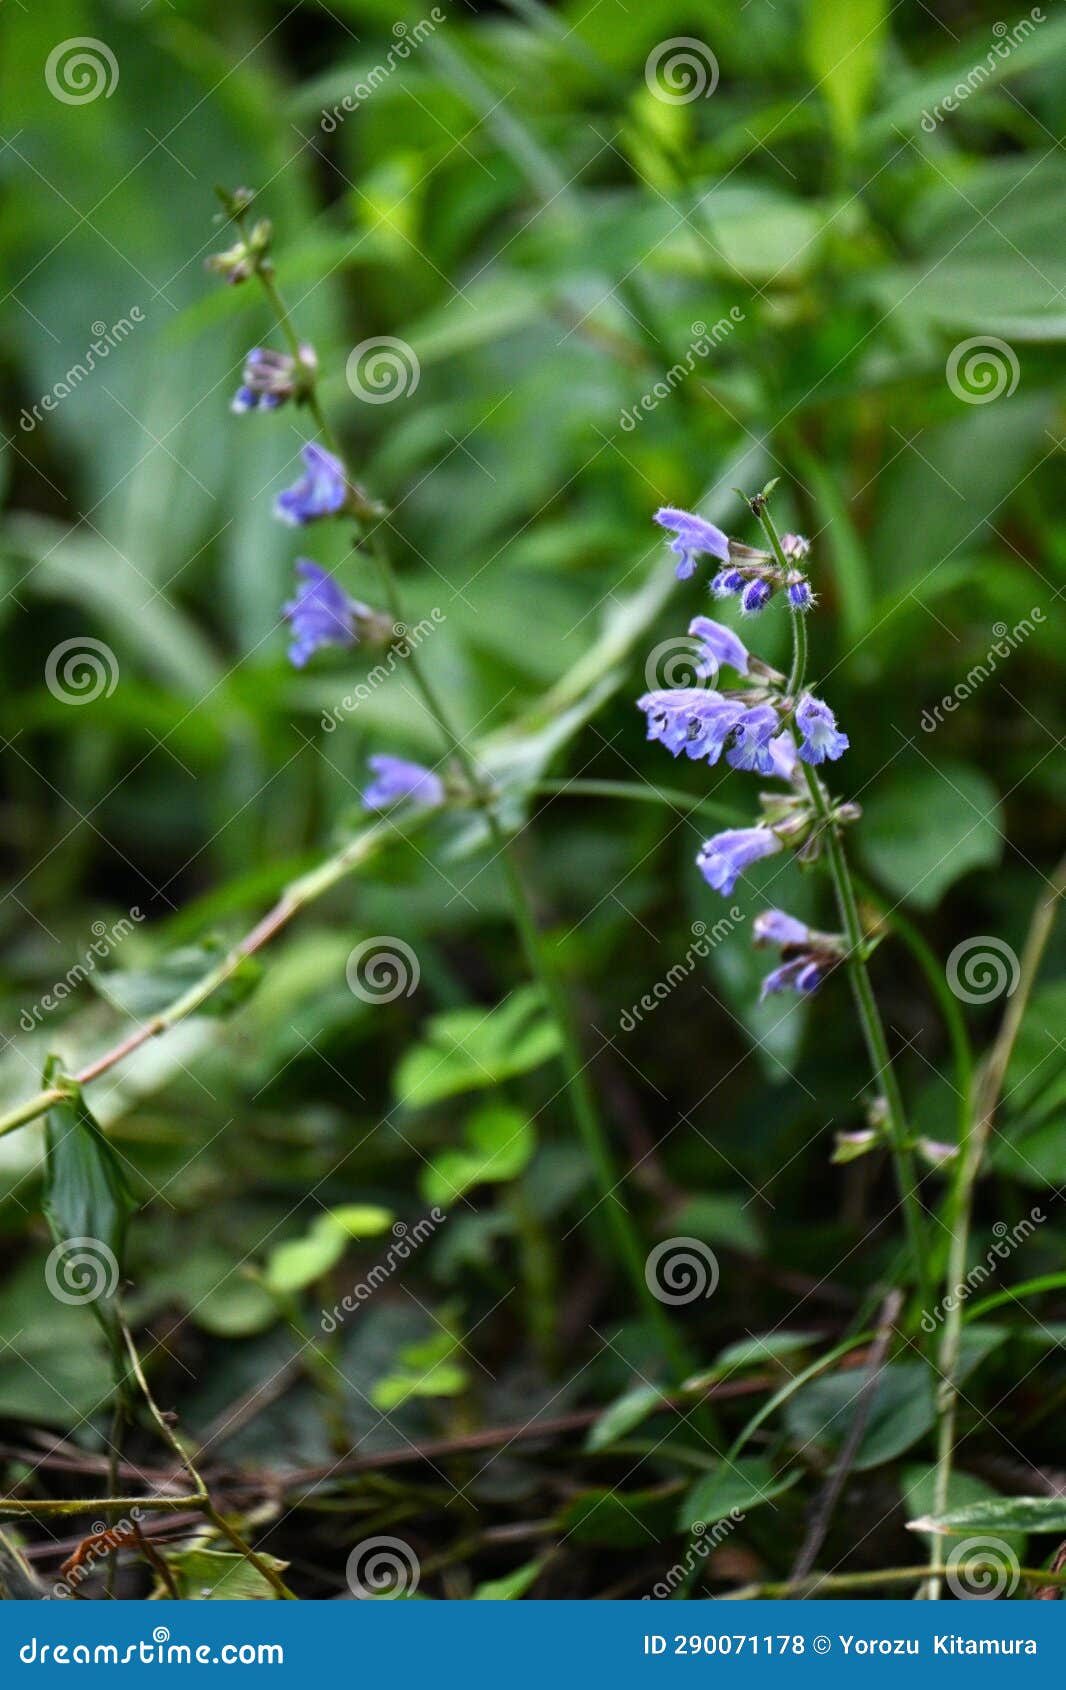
[{"x": 923, "y": 830}]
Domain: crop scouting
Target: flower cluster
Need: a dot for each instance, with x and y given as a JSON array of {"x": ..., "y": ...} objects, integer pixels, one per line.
[
  {"x": 272, "y": 378},
  {"x": 754, "y": 575},
  {"x": 320, "y": 613},
  {"x": 757, "y": 726},
  {"x": 806, "y": 956}
]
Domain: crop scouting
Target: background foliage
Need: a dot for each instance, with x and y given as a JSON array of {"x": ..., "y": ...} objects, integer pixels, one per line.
[{"x": 514, "y": 203}]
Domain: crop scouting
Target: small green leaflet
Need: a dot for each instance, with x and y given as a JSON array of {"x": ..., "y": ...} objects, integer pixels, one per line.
[{"x": 87, "y": 1204}]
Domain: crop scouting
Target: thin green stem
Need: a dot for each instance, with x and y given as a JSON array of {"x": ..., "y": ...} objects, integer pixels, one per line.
[
  {"x": 294, "y": 898},
  {"x": 203, "y": 1496},
  {"x": 818, "y": 1584},
  {"x": 866, "y": 1003},
  {"x": 959, "y": 1207},
  {"x": 954, "y": 1020}
]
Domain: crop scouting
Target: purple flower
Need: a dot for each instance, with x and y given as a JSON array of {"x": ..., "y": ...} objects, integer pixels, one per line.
[
  {"x": 774, "y": 927},
  {"x": 800, "y": 596},
  {"x": 693, "y": 538},
  {"x": 727, "y": 582},
  {"x": 751, "y": 740},
  {"x": 795, "y": 547},
  {"x": 270, "y": 378},
  {"x": 728, "y": 854},
  {"x": 755, "y": 597},
  {"x": 321, "y": 491},
  {"x": 397, "y": 781},
  {"x": 783, "y": 756},
  {"x": 818, "y": 725},
  {"x": 320, "y": 614},
  {"x": 800, "y": 974},
  {"x": 691, "y": 720},
  {"x": 718, "y": 645}
]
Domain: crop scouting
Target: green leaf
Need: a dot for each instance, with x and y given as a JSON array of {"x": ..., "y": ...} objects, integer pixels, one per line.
[
  {"x": 423, "y": 1369},
  {"x": 143, "y": 992},
  {"x": 362, "y": 1220},
  {"x": 740, "y": 1487},
  {"x": 1009, "y": 1514},
  {"x": 215, "y": 1575},
  {"x": 500, "y": 1143},
  {"x": 623, "y": 1414},
  {"x": 719, "y": 1218},
  {"x": 506, "y": 1589},
  {"x": 844, "y": 45},
  {"x": 918, "y": 1485},
  {"x": 620, "y": 1519},
  {"x": 87, "y": 1204},
  {"x": 926, "y": 828},
  {"x": 469, "y": 1049}
]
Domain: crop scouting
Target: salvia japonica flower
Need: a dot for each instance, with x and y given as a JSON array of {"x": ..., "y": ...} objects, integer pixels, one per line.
[
  {"x": 821, "y": 741},
  {"x": 774, "y": 927},
  {"x": 719, "y": 647},
  {"x": 800, "y": 596},
  {"x": 320, "y": 614},
  {"x": 270, "y": 378},
  {"x": 795, "y": 547},
  {"x": 806, "y": 956},
  {"x": 756, "y": 596},
  {"x": 725, "y": 857},
  {"x": 691, "y": 719},
  {"x": 751, "y": 740},
  {"x": 694, "y": 537},
  {"x": 321, "y": 491},
  {"x": 397, "y": 781},
  {"x": 727, "y": 582}
]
